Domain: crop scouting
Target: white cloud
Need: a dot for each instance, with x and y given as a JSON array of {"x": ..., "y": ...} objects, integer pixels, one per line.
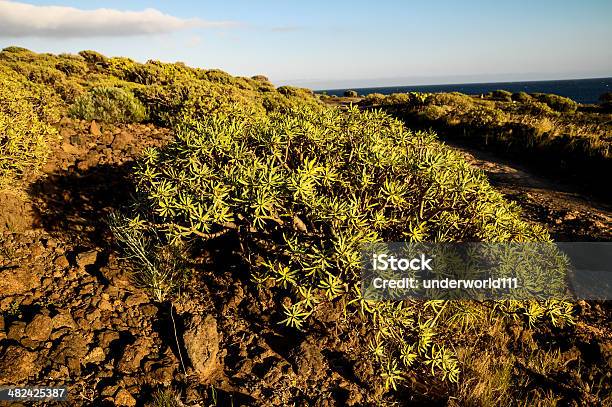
[{"x": 27, "y": 20}]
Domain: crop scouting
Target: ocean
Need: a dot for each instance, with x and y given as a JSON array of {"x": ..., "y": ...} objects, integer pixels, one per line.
[{"x": 580, "y": 90}]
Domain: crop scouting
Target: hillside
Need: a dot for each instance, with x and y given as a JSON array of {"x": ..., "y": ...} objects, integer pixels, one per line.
[{"x": 179, "y": 236}]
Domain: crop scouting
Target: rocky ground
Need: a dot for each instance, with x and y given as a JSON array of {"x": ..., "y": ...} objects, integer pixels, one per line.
[{"x": 70, "y": 313}]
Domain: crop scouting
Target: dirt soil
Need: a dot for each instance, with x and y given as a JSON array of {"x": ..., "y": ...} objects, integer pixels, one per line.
[
  {"x": 569, "y": 214},
  {"x": 70, "y": 313}
]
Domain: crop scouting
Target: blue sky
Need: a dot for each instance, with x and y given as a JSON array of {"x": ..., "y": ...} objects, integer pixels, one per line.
[{"x": 326, "y": 44}]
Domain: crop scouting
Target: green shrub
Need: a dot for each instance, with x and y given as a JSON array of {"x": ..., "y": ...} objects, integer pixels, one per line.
[
  {"x": 44, "y": 74},
  {"x": 484, "y": 116},
  {"x": 109, "y": 105},
  {"x": 398, "y": 99},
  {"x": 350, "y": 94},
  {"x": 123, "y": 68},
  {"x": 556, "y": 102},
  {"x": 305, "y": 188},
  {"x": 453, "y": 99},
  {"x": 164, "y": 103},
  {"x": 94, "y": 58},
  {"x": 151, "y": 73},
  {"x": 217, "y": 75},
  {"x": 275, "y": 102},
  {"x": 433, "y": 112},
  {"x": 534, "y": 107},
  {"x": 26, "y": 110},
  {"x": 502, "y": 95},
  {"x": 69, "y": 90},
  {"x": 295, "y": 92},
  {"x": 260, "y": 83},
  {"x": 15, "y": 54},
  {"x": 71, "y": 66},
  {"x": 521, "y": 97},
  {"x": 170, "y": 103},
  {"x": 19, "y": 51},
  {"x": 265, "y": 87},
  {"x": 373, "y": 99}
]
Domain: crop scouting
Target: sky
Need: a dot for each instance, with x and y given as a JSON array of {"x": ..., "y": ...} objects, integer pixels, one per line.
[{"x": 332, "y": 43}]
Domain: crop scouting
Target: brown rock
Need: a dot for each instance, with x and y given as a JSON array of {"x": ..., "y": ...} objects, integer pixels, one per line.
[
  {"x": 105, "y": 305},
  {"x": 96, "y": 355},
  {"x": 59, "y": 333},
  {"x": 83, "y": 165},
  {"x": 107, "y": 137},
  {"x": 66, "y": 121},
  {"x": 17, "y": 281},
  {"x": 17, "y": 364},
  {"x": 16, "y": 331},
  {"x": 73, "y": 345},
  {"x": 87, "y": 258},
  {"x": 93, "y": 315},
  {"x": 61, "y": 262},
  {"x": 63, "y": 320},
  {"x": 37, "y": 251},
  {"x": 70, "y": 149},
  {"x": 76, "y": 140},
  {"x": 133, "y": 355},
  {"x": 119, "y": 278},
  {"x": 74, "y": 364},
  {"x": 308, "y": 358},
  {"x": 122, "y": 140},
  {"x": 67, "y": 132},
  {"x": 39, "y": 329},
  {"x": 30, "y": 344},
  {"x": 60, "y": 373},
  {"x": 201, "y": 340},
  {"x": 148, "y": 310},
  {"x": 92, "y": 159},
  {"x": 162, "y": 373},
  {"x": 71, "y": 350},
  {"x": 124, "y": 398},
  {"x": 109, "y": 391},
  {"x": 107, "y": 337},
  {"x": 94, "y": 129},
  {"x": 136, "y": 299}
]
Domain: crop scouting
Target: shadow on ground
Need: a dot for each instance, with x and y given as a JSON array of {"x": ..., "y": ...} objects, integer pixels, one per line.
[{"x": 75, "y": 204}]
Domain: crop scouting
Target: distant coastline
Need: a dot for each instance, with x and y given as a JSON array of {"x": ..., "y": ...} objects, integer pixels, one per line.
[{"x": 580, "y": 90}]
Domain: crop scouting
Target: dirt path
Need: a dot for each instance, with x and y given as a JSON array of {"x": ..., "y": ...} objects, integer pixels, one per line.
[{"x": 568, "y": 214}]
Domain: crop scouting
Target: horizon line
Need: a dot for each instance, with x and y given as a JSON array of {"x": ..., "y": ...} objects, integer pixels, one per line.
[{"x": 465, "y": 83}]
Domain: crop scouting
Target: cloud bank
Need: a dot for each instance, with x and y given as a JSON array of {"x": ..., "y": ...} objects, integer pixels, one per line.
[{"x": 27, "y": 20}]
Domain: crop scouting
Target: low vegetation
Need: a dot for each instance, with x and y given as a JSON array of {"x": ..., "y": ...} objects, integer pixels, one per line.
[
  {"x": 108, "y": 105},
  {"x": 27, "y": 111},
  {"x": 297, "y": 187},
  {"x": 302, "y": 192},
  {"x": 37, "y": 89},
  {"x": 550, "y": 129}
]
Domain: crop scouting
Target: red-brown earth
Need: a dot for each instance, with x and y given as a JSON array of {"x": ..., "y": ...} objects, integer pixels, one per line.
[{"x": 70, "y": 313}]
